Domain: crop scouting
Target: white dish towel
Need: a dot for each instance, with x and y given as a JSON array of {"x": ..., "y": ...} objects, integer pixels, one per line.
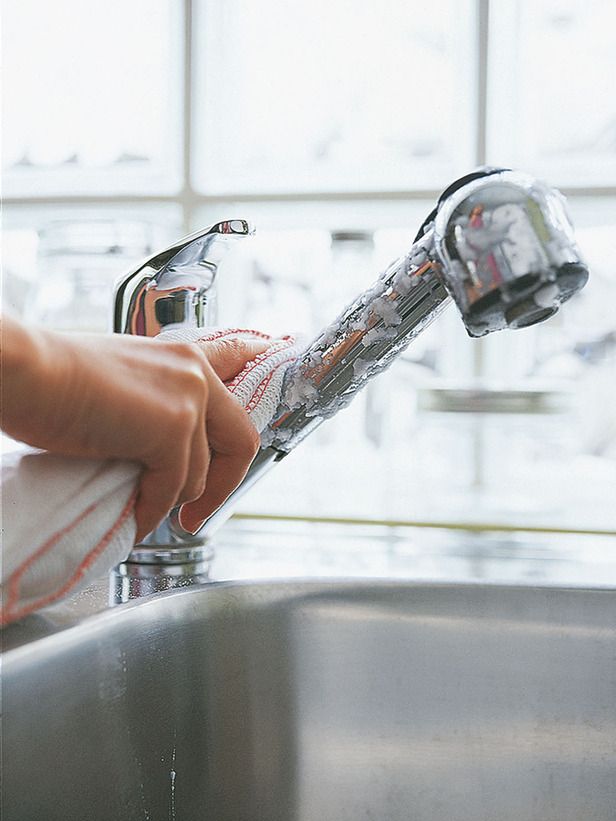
[{"x": 67, "y": 521}]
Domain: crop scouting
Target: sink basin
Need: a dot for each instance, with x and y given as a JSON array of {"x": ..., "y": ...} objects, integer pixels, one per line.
[{"x": 311, "y": 701}]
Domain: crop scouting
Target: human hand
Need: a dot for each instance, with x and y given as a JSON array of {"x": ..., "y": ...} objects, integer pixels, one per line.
[{"x": 161, "y": 404}]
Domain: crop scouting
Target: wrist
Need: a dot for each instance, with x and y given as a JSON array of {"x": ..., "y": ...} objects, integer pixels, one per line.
[{"x": 31, "y": 373}]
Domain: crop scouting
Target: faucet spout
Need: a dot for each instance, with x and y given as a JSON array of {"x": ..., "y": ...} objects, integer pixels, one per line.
[{"x": 499, "y": 245}]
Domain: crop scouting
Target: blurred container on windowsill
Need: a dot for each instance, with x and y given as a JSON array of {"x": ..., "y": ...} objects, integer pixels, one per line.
[{"x": 79, "y": 262}]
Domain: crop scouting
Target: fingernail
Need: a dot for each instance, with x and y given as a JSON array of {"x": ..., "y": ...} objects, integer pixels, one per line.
[{"x": 189, "y": 524}]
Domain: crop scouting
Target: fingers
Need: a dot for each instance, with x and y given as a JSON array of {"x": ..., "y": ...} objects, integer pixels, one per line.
[
  {"x": 199, "y": 463},
  {"x": 177, "y": 465},
  {"x": 229, "y": 356},
  {"x": 221, "y": 442},
  {"x": 234, "y": 442},
  {"x": 158, "y": 492}
]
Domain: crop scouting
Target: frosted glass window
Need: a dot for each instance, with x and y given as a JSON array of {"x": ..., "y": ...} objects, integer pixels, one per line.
[
  {"x": 91, "y": 96},
  {"x": 333, "y": 95},
  {"x": 552, "y": 101}
]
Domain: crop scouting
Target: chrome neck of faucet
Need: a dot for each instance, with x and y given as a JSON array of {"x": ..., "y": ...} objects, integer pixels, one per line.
[{"x": 359, "y": 344}]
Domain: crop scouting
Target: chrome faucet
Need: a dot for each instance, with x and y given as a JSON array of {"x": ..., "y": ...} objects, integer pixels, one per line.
[
  {"x": 176, "y": 287},
  {"x": 499, "y": 244}
]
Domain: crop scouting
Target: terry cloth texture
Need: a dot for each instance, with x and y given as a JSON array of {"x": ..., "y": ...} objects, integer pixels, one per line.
[{"x": 259, "y": 386}]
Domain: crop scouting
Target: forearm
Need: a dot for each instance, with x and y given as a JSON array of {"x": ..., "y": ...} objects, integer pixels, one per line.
[{"x": 31, "y": 368}]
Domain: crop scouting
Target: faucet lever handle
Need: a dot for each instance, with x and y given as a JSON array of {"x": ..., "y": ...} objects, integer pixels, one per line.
[{"x": 175, "y": 286}]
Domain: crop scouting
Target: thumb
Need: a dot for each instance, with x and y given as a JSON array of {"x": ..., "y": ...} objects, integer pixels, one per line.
[{"x": 230, "y": 355}]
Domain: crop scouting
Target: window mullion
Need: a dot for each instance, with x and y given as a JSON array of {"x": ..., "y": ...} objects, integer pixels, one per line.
[
  {"x": 483, "y": 20},
  {"x": 187, "y": 195}
]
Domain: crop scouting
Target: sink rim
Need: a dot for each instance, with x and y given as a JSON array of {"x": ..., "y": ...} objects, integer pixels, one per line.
[{"x": 50, "y": 637}]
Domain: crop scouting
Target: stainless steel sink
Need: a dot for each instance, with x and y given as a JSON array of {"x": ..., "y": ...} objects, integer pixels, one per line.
[{"x": 318, "y": 701}]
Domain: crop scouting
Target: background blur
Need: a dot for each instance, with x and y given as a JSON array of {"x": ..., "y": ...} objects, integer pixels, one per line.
[{"x": 333, "y": 125}]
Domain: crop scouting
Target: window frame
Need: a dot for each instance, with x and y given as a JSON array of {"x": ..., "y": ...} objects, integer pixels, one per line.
[{"x": 194, "y": 204}]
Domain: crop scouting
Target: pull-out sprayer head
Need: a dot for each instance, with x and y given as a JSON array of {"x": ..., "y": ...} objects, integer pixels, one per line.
[{"x": 506, "y": 249}]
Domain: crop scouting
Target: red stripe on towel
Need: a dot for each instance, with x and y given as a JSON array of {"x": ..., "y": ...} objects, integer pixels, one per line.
[{"x": 8, "y": 614}]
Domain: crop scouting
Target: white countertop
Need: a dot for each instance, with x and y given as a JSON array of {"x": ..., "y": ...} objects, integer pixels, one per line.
[{"x": 254, "y": 549}]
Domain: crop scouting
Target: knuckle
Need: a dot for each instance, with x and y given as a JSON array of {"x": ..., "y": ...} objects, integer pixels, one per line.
[
  {"x": 231, "y": 344},
  {"x": 194, "y": 381},
  {"x": 179, "y": 349},
  {"x": 188, "y": 352},
  {"x": 184, "y": 415},
  {"x": 233, "y": 349},
  {"x": 186, "y": 366},
  {"x": 191, "y": 374}
]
